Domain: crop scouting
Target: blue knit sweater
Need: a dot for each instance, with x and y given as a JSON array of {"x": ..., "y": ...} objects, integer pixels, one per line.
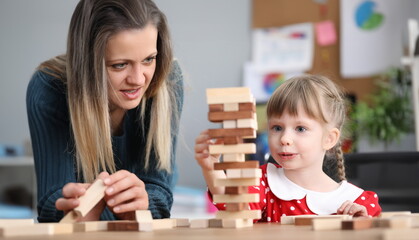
[{"x": 55, "y": 164}]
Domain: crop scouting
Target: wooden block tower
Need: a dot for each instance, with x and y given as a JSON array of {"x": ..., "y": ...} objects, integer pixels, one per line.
[{"x": 235, "y": 109}]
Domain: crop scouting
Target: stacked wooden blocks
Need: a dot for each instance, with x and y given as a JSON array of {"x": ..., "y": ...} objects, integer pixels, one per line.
[{"x": 235, "y": 109}]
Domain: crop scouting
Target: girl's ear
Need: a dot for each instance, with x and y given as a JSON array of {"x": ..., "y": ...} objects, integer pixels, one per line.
[{"x": 331, "y": 139}]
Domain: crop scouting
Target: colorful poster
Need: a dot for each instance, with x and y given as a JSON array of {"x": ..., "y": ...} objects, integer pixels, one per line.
[{"x": 371, "y": 36}]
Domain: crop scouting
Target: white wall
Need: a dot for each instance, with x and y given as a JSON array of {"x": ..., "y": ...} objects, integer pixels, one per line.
[{"x": 211, "y": 41}]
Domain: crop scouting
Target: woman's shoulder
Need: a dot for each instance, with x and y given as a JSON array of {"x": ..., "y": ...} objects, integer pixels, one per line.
[{"x": 46, "y": 88}]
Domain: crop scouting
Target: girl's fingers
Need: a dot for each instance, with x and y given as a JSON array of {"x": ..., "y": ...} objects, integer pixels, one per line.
[
  {"x": 65, "y": 204},
  {"x": 131, "y": 195},
  {"x": 74, "y": 190}
]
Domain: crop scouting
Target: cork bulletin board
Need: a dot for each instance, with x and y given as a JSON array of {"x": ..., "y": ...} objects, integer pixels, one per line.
[{"x": 326, "y": 61}]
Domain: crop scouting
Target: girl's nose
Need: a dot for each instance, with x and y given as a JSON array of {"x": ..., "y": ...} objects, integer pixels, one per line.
[{"x": 137, "y": 75}]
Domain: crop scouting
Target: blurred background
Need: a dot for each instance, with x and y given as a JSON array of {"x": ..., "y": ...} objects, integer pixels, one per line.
[{"x": 254, "y": 43}]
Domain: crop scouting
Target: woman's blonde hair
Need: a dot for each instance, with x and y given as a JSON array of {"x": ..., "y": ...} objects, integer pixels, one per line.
[
  {"x": 83, "y": 70},
  {"x": 320, "y": 98}
]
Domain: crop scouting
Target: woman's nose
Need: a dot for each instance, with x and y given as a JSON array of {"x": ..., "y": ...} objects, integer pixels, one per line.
[{"x": 136, "y": 76}]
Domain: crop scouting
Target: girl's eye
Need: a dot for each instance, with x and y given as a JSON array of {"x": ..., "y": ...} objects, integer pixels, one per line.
[
  {"x": 276, "y": 128},
  {"x": 149, "y": 60},
  {"x": 301, "y": 129},
  {"x": 119, "y": 65}
]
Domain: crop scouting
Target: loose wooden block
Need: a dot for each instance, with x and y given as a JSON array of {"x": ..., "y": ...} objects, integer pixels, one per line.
[
  {"x": 394, "y": 213},
  {"x": 227, "y": 182},
  {"x": 245, "y": 214},
  {"x": 306, "y": 220},
  {"x": 233, "y": 207},
  {"x": 230, "y": 107},
  {"x": 91, "y": 197},
  {"x": 199, "y": 223},
  {"x": 130, "y": 226},
  {"x": 215, "y": 223},
  {"x": 165, "y": 223},
  {"x": 291, "y": 219},
  {"x": 229, "y": 124},
  {"x": 217, "y": 117},
  {"x": 326, "y": 224},
  {"x": 91, "y": 226},
  {"x": 357, "y": 223},
  {"x": 61, "y": 228},
  {"x": 229, "y": 95},
  {"x": 237, "y": 223},
  {"x": 182, "y": 222},
  {"x": 398, "y": 221},
  {"x": 143, "y": 216},
  {"x": 229, "y": 198},
  {"x": 239, "y": 148},
  {"x": 232, "y": 140},
  {"x": 234, "y": 157},
  {"x": 15, "y": 222},
  {"x": 236, "y": 190},
  {"x": 231, "y": 132},
  {"x": 27, "y": 230},
  {"x": 232, "y": 165}
]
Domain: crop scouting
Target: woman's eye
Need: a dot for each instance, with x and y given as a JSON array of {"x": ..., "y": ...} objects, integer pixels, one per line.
[
  {"x": 149, "y": 59},
  {"x": 301, "y": 129},
  {"x": 119, "y": 65}
]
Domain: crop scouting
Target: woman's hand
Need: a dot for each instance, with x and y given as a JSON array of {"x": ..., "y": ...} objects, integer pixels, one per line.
[
  {"x": 202, "y": 156},
  {"x": 354, "y": 209},
  {"x": 71, "y": 192},
  {"x": 124, "y": 194}
]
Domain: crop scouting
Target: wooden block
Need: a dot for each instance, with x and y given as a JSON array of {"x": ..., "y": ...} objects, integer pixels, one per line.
[
  {"x": 91, "y": 197},
  {"x": 182, "y": 222},
  {"x": 165, "y": 223},
  {"x": 233, "y": 173},
  {"x": 232, "y": 140},
  {"x": 249, "y": 106},
  {"x": 251, "y": 173},
  {"x": 229, "y": 95},
  {"x": 357, "y": 223},
  {"x": 215, "y": 223},
  {"x": 16, "y": 222},
  {"x": 236, "y": 190},
  {"x": 232, "y": 165},
  {"x": 326, "y": 224},
  {"x": 230, "y": 198},
  {"x": 217, "y": 117},
  {"x": 239, "y": 148},
  {"x": 229, "y": 124},
  {"x": 306, "y": 220},
  {"x": 143, "y": 216},
  {"x": 61, "y": 228},
  {"x": 199, "y": 223},
  {"x": 231, "y": 107},
  {"x": 91, "y": 226},
  {"x": 237, "y": 223},
  {"x": 27, "y": 230},
  {"x": 398, "y": 221},
  {"x": 231, "y": 132},
  {"x": 245, "y": 214},
  {"x": 233, "y": 182},
  {"x": 247, "y": 123},
  {"x": 395, "y": 213},
  {"x": 288, "y": 220},
  {"x": 233, "y": 207},
  {"x": 233, "y": 157},
  {"x": 130, "y": 226},
  {"x": 397, "y": 234}
]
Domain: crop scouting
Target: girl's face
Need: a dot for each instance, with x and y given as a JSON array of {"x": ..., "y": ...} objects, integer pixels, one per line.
[
  {"x": 130, "y": 64},
  {"x": 298, "y": 142}
]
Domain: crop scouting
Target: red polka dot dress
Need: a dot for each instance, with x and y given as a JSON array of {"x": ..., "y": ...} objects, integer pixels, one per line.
[{"x": 281, "y": 197}]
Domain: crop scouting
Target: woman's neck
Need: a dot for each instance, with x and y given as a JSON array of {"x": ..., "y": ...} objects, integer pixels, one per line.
[{"x": 117, "y": 118}]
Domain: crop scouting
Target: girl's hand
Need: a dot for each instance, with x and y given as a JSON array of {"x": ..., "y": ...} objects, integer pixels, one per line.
[
  {"x": 124, "y": 194},
  {"x": 69, "y": 201},
  {"x": 353, "y": 209},
  {"x": 202, "y": 156}
]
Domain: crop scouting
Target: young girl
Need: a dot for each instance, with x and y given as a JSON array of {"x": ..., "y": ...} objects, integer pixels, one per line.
[{"x": 305, "y": 119}]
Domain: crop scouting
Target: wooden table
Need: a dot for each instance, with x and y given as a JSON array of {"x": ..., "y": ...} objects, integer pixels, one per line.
[{"x": 260, "y": 231}]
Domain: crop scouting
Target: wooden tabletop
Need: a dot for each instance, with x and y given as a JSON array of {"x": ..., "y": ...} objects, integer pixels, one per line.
[{"x": 260, "y": 231}]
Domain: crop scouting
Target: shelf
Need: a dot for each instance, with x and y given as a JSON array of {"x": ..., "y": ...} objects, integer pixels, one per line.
[{"x": 16, "y": 161}]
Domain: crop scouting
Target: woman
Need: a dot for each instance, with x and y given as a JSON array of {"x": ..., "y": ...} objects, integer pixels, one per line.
[{"x": 109, "y": 108}]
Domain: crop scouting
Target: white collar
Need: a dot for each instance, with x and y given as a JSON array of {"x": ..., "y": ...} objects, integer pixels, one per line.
[{"x": 321, "y": 203}]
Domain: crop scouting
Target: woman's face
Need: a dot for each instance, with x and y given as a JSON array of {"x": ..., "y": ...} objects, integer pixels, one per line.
[{"x": 130, "y": 64}]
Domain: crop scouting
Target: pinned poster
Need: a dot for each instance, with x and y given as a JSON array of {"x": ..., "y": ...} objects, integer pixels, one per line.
[
  {"x": 325, "y": 33},
  {"x": 371, "y": 36}
]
